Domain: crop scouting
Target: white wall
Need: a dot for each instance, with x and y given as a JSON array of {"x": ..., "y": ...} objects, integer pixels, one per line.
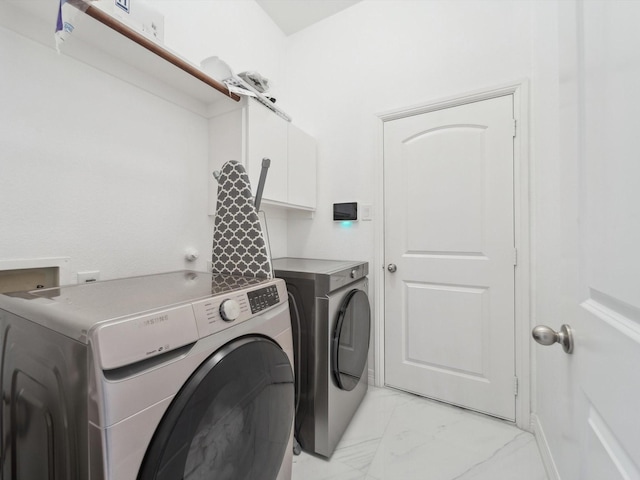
[
  {"x": 95, "y": 169},
  {"x": 238, "y": 32},
  {"x": 101, "y": 171},
  {"x": 241, "y": 34},
  {"x": 381, "y": 55},
  {"x": 378, "y": 56}
]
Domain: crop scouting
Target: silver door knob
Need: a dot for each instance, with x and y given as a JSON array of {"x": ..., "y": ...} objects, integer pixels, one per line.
[
  {"x": 548, "y": 336},
  {"x": 392, "y": 267}
]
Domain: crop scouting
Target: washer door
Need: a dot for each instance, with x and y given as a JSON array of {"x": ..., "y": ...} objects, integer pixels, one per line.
[
  {"x": 350, "y": 342},
  {"x": 231, "y": 420}
]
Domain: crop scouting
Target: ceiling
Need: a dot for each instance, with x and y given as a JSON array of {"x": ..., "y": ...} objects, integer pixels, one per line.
[{"x": 294, "y": 15}]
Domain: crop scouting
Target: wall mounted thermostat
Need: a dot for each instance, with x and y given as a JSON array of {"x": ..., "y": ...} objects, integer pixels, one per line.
[{"x": 345, "y": 211}]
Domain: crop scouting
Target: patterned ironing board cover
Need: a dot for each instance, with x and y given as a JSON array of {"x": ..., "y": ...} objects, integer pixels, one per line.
[{"x": 239, "y": 247}]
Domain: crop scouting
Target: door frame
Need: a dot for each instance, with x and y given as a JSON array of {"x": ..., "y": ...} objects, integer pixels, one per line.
[{"x": 522, "y": 216}]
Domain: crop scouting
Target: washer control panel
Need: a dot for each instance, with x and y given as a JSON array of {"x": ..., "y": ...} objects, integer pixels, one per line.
[
  {"x": 218, "y": 313},
  {"x": 130, "y": 339},
  {"x": 263, "y": 298},
  {"x": 229, "y": 310}
]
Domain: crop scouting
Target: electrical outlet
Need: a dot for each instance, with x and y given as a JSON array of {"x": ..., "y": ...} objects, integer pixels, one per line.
[{"x": 88, "y": 277}]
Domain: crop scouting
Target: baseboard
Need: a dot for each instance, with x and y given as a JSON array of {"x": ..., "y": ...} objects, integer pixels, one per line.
[{"x": 545, "y": 451}]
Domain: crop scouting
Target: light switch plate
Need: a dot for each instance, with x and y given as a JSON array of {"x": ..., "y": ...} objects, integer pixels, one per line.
[{"x": 366, "y": 212}]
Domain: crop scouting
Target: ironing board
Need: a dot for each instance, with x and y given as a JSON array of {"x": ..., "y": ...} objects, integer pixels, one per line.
[{"x": 239, "y": 247}]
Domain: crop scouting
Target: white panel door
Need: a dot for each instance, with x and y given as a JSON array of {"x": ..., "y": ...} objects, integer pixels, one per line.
[
  {"x": 593, "y": 422},
  {"x": 449, "y": 230}
]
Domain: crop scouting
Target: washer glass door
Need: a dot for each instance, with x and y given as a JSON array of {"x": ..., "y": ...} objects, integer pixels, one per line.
[
  {"x": 232, "y": 419},
  {"x": 350, "y": 342}
]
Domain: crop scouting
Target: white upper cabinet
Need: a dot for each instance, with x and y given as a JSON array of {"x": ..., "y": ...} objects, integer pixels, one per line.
[
  {"x": 253, "y": 132},
  {"x": 267, "y": 138},
  {"x": 302, "y": 168}
]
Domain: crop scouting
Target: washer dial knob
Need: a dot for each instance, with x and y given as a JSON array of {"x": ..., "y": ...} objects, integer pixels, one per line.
[{"x": 229, "y": 310}]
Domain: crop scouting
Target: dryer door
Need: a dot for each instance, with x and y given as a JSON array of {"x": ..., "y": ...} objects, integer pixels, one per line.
[
  {"x": 232, "y": 419},
  {"x": 350, "y": 342}
]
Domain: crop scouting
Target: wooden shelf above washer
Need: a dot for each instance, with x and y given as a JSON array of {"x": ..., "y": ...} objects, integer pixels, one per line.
[
  {"x": 103, "y": 42},
  {"x": 158, "y": 50}
]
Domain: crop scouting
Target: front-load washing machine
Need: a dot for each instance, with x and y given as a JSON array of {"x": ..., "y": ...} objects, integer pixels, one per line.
[
  {"x": 183, "y": 375},
  {"x": 331, "y": 321}
]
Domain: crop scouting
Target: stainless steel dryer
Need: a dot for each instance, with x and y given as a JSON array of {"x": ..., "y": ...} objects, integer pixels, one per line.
[
  {"x": 331, "y": 324},
  {"x": 183, "y": 375}
]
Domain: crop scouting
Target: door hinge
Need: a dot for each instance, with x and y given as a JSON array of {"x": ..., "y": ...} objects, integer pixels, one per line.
[
  {"x": 515, "y": 256},
  {"x": 515, "y": 386},
  {"x": 515, "y": 126}
]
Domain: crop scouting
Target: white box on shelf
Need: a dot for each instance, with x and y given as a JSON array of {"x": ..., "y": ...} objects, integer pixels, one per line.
[{"x": 136, "y": 14}]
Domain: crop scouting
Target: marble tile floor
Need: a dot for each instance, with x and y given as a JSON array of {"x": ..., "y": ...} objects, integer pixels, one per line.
[{"x": 400, "y": 436}]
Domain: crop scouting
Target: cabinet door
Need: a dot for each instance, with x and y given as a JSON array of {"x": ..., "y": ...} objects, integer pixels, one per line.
[
  {"x": 302, "y": 168},
  {"x": 267, "y": 138}
]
